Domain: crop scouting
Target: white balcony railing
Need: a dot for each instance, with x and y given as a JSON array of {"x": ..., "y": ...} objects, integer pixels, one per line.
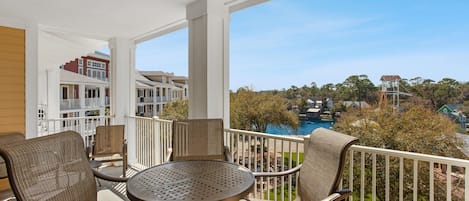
[
  {"x": 93, "y": 103},
  {"x": 86, "y": 126},
  {"x": 153, "y": 138},
  {"x": 372, "y": 173},
  {"x": 69, "y": 104},
  {"x": 144, "y": 99}
]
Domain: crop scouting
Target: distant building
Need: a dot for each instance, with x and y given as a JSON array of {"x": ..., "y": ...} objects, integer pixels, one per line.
[
  {"x": 85, "y": 82},
  {"x": 356, "y": 104},
  {"x": 453, "y": 112}
]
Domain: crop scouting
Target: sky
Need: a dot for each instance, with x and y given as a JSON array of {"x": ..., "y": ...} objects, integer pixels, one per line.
[{"x": 282, "y": 43}]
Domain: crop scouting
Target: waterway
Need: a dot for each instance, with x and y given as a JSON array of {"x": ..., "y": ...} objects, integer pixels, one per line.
[{"x": 305, "y": 128}]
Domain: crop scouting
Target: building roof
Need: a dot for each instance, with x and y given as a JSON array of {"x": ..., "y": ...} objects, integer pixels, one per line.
[
  {"x": 144, "y": 82},
  {"x": 67, "y": 77},
  {"x": 390, "y": 78}
]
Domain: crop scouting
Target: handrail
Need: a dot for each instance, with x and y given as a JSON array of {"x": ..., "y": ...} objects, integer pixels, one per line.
[
  {"x": 270, "y": 136},
  {"x": 412, "y": 155}
]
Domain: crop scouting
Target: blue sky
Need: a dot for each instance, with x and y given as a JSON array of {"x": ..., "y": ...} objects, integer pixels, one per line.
[{"x": 295, "y": 42}]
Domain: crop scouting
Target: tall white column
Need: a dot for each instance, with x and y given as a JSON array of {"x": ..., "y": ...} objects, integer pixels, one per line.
[
  {"x": 82, "y": 98},
  {"x": 53, "y": 93},
  {"x": 154, "y": 101},
  {"x": 102, "y": 100},
  {"x": 123, "y": 88},
  {"x": 208, "y": 60},
  {"x": 32, "y": 80}
]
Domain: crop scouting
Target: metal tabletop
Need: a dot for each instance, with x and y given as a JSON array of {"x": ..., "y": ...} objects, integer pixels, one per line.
[{"x": 191, "y": 180}]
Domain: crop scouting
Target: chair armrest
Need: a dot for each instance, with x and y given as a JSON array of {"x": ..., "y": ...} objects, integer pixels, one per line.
[
  {"x": 339, "y": 195},
  {"x": 109, "y": 178},
  {"x": 227, "y": 153},
  {"x": 277, "y": 174},
  {"x": 170, "y": 155}
]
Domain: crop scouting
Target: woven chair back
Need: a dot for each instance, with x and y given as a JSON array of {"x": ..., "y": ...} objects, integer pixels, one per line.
[
  {"x": 7, "y": 138},
  {"x": 53, "y": 167},
  {"x": 109, "y": 140},
  {"x": 323, "y": 163},
  {"x": 198, "y": 139}
]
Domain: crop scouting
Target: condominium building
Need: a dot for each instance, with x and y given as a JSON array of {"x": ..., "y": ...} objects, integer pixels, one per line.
[{"x": 84, "y": 88}]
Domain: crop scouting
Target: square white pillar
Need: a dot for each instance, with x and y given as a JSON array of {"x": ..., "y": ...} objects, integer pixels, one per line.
[
  {"x": 123, "y": 89},
  {"x": 208, "y": 60}
]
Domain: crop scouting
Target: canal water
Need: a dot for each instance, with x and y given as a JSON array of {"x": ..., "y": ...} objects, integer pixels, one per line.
[{"x": 305, "y": 128}]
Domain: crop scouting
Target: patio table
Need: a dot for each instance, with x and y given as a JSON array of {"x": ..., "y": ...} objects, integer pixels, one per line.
[{"x": 191, "y": 180}]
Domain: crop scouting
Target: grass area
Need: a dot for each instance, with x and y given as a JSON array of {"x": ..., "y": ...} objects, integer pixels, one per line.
[{"x": 286, "y": 157}]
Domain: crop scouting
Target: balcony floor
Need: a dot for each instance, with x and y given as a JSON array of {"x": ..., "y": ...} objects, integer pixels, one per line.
[{"x": 113, "y": 191}]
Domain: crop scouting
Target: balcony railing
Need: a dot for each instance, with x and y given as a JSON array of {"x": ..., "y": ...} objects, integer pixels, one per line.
[
  {"x": 144, "y": 99},
  {"x": 372, "y": 173},
  {"x": 93, "y": 103},
  {"x": 69, "y": 104},
  {"x": 86, "y": 126}
]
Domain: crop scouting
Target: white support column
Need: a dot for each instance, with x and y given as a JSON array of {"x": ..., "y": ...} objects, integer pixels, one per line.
[
  {"x": 82, "y": 98},
  {"x": 53, "y": 93},
  {"x": 102, "y": 100},
  {"x": 123, "y": 89},
  {"x": 208, "y": 60},
  {"x": 81, "y": 95},
  {"x": 154, "y": 101},
  {"x": 31, "y": 79}
]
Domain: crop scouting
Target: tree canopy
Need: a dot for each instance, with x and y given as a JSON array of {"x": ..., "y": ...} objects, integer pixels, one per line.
[
  {"x": 417, "y": 129},
  {"x": 176, "y": 110},
  {"x": 254, "y": 111}
]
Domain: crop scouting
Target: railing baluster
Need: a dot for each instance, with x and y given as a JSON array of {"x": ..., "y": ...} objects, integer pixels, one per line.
[
  {"x": 373, "y": 178},
  {"x": 350, "y": 186},
  {"x": 466, "y": 183},
  {"x": 387, "y": 178},
  {"x": 432, "y": 181},
  {"x": 290, "y": 164},
  {"x": 362, "y": 177},
  {"x": 415, "y": 188},
  {"x": 276, "y": 169},
  {"x": 448, "y": 182},
  {"x": 262, "y": 167},
  {"x": 401, "y": 179}
]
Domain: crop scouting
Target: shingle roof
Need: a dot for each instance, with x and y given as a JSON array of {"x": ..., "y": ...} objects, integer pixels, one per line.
[{"x": 390, "y": 77}]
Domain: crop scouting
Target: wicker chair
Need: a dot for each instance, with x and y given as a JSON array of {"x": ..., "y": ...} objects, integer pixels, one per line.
[
  {"x": 198, "y": 139},
  {"x": 52, "y": 167},
  {"x": 109, "y": 141},
  {"x": 6, "y": 138},
  {"x": 322, "y": 167}
]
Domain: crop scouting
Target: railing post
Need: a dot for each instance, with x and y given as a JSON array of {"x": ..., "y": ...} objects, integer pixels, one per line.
[
  {"x": 306, "y": 143},
  {"x": 157, "y": 140},
  {"x": 131, "y": 140}
]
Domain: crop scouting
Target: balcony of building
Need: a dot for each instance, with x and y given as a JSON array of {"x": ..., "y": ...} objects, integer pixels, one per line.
[
  {"x": 371, "y": 173},
  {"x": 48, "y": 41}
]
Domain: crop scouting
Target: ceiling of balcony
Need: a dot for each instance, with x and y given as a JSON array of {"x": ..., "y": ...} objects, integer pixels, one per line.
[{"x": 100, "y": 19}]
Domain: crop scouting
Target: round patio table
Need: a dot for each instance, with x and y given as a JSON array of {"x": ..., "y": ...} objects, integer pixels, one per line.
[{"x": 191, "y": 180}]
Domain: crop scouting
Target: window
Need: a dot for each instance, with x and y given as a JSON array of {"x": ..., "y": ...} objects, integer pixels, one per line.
[
  {"x": 80, "y": 71},
  {"x": 88, "y": 73},
  {"x": 80, "y": 62},
  {"x": 94, "y": 73}
]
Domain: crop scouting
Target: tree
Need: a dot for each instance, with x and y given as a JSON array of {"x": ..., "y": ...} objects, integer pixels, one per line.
[
  {"x": 176, "y": 110},
  {"x": 358, "y": 88},
  {"x": 447, "y": 91},
  {"x": 417, "y": 129},
  {"x": 254, "y": 111}
]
